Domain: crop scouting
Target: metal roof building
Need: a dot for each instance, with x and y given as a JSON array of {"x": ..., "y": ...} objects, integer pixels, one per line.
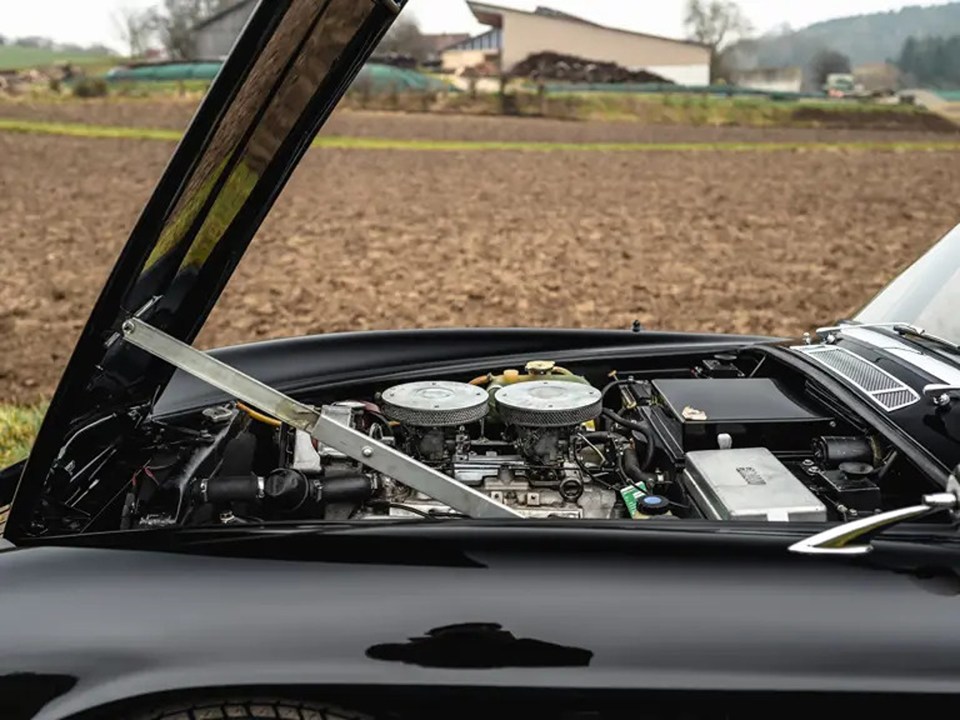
[
  {"x": 514, "y": 35},
  {"x": 214, "y": 37}
]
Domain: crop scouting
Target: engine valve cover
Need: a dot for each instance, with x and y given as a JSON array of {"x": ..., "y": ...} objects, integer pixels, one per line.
[
  {"x": 549, "y": 403},
  {"x": 435, "y": 403}
]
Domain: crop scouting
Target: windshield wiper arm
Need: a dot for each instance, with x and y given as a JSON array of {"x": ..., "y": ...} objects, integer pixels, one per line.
[{"x": 900, "y": 328}]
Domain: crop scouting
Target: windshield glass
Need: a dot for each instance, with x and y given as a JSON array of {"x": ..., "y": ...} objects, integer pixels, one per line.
[{"x": 927, "y": 294}]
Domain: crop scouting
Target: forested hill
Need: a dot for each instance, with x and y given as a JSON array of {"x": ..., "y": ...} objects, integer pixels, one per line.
[{"x": 864, "y": 38}]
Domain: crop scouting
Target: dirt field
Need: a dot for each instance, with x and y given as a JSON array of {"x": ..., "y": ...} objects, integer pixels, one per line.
[{"x": 766, "y": 242}]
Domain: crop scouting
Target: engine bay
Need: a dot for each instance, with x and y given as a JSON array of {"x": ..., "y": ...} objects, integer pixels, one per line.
[{"x": 727, "y": 437}]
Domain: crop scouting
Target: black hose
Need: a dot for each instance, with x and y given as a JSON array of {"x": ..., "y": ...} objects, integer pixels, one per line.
[
  {"x": 350, "y": 487},
  {"x": 634, "y": 473},
  {"x": 223, "y": 490},
  {"x": 616, "y": 384},
  {"x": 582, "y": 465},
  {"x": 640, "y": 427}
]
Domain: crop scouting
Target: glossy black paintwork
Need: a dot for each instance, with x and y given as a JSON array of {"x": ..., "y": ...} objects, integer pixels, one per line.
[
  {"x": 568, "y": 616},
  {"x": 299, "y": 365},
  {"x": 935, "y": 428},
  {"x": 674, "y": 607},
  {"x": 288, "y": 70}
]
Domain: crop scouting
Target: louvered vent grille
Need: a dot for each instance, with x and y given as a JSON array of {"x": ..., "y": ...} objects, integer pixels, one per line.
[{"x": 888, "y": 392}]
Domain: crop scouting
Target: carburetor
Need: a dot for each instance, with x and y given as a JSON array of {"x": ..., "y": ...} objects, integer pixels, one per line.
[
  {"x": 545, "y": 415},
  {"x": 433, "y": 414}
]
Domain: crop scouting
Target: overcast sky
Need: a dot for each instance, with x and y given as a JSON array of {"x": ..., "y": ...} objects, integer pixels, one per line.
[{"x": 91, "y": 21}]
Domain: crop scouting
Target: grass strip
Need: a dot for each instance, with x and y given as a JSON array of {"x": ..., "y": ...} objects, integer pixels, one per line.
[
  {"x": 80, "y": 130},
  {"x": 364, "y": 143}
]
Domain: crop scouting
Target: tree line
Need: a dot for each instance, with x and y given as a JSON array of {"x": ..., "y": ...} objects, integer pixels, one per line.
[
  {"x": 35, "y": 42},
  {"x": 931, "y": 61}
]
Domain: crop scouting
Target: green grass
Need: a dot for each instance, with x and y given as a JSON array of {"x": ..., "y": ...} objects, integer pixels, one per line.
[
  {"x": 87, "y": 131},
  {"x": 364, "y": 143},
  {"x": 18, "y": 427},
  {"x": 133, "y": 89},
  {"x": 20, "y": 58},
  {"x": 688, "y": 109},
  {"x": 663, "y": 108}
]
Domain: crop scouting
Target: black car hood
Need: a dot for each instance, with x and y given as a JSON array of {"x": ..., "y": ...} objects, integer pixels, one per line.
[{"x": 293, "y": 62}]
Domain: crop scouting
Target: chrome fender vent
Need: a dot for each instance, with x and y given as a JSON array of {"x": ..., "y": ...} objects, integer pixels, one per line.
[{"x": 882, "y": 387}]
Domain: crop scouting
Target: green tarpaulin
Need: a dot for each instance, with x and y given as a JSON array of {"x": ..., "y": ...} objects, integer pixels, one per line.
[{"x": 379, "y": 78}]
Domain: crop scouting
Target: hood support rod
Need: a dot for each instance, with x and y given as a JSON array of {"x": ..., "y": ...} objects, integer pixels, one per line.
[{"x": 355, "y": 445}]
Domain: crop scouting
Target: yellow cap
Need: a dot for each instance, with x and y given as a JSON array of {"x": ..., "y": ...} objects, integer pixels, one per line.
[
  {"x": 540, "y": 367},
  {"x": 511, "y": 375}
]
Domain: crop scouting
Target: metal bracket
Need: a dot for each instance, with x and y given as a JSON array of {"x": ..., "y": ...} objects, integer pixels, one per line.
[
  {"x": 355, "y": 445},
  {"x": 940, "y": 395}
]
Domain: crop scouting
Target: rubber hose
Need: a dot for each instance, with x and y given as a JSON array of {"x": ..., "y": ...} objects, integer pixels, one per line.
[
  {"x": 351, "y": 488},
  {"x": 640, "y": 427},
  {"x": 282, "y": 490},
  {"x": 230, "y": 489},
  {"x": 632, "y": 469}
]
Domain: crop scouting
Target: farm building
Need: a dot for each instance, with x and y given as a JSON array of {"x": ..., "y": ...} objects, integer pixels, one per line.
[
  {"x": 434, "y": 45},
  {"x": 214, "y": 37},
  {"x": 514, "y": 35},
  {"x": 774, "y": 80}
]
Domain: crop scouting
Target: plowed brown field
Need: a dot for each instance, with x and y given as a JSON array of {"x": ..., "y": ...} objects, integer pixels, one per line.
[{"x": 765, "y": 242}]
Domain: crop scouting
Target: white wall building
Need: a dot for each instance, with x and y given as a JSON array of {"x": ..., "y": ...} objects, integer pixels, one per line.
[{"x": 517, "y": 34}]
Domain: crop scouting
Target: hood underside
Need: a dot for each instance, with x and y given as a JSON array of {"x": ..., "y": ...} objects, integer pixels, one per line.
[{"x": 288, "y": 70}]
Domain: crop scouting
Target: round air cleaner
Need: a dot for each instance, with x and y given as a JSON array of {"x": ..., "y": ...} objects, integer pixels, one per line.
[
  {"x": 435, "y": 404},
  {"x": 549, "y": 403}
]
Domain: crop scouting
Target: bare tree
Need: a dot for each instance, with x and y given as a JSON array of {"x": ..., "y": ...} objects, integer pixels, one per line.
[
  {"x": 405, "y": 38},
  {"x": 136, "y": 29},
  {"x": 716, "y": 23},
  {"x": 175, "y": 19}
]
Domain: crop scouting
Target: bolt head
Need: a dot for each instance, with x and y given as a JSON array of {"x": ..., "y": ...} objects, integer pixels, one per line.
[{"x": 367, "y": 452}]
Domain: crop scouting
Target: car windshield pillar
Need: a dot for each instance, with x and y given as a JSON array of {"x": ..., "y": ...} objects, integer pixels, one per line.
[{"x": 926, "y": 295}]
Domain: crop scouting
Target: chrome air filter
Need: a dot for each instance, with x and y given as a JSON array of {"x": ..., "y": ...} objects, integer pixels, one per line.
[
  {"x": 548, "y": 403},
  {"x": 435, "y": 404}
]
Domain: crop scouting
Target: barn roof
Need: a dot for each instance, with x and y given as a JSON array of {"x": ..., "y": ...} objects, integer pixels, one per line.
[{"x": 492, "y": 15}]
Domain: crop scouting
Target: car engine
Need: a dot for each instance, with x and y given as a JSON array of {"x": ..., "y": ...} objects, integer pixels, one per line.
[
  {"x": 528, "y": 444},
  {"x": 718, "y": 441}
]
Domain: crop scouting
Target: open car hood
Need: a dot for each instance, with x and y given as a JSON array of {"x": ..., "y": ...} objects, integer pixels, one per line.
[{"x": 287, "y": 72}]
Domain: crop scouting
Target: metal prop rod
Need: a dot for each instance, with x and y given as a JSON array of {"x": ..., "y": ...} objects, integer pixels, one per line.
[{"x": 355, "y": 445}]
